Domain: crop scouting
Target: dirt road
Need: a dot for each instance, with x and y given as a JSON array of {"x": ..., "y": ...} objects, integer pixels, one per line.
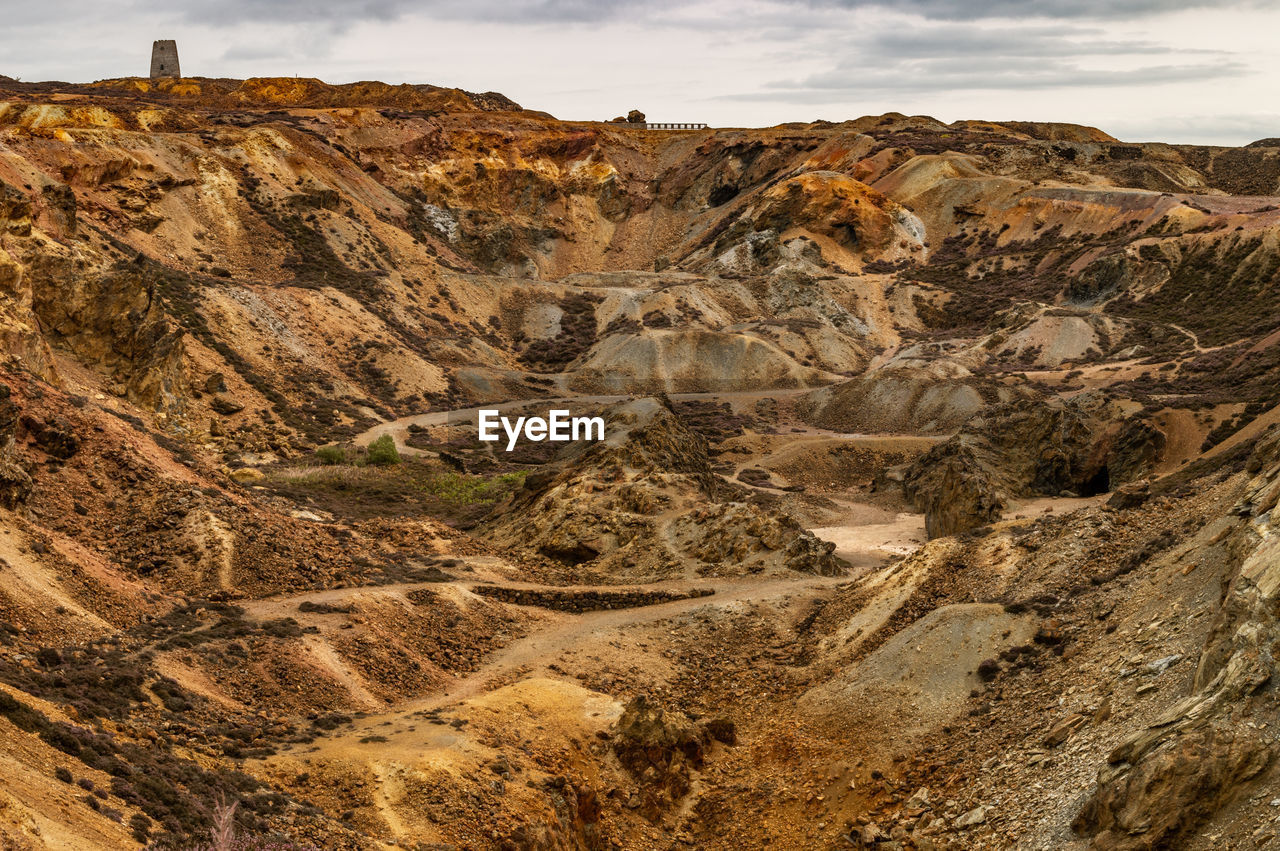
[{"x": 556, "y": 634}]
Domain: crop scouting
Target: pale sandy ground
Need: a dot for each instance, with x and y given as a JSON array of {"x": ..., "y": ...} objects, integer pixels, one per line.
[
  {"x": 1032, "y": 508},
  {"x": 871, "y": 544}
]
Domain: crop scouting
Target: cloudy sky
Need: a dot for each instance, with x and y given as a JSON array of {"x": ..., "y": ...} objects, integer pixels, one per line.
[{"x": 1171, "y": 70}]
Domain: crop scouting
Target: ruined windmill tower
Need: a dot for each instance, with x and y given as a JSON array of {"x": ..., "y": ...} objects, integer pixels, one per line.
[{"x": 164, "y": 59}]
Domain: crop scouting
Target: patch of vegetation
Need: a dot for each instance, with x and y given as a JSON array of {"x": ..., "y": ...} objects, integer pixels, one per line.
[
  {"x": 177, "y": 795},
  {"x": 1231, "y": 425},
  {"x": 885, "y": 267},
  {"x": 382, "y": 452},
  {"x": 622, "y": 325},
  {"x": 984, "y": 277},
  {"x": 1232, "y": 374},
  {"x": 462, "y": 490},
  {"x": 414, "y": 487},
  {"x": 756, "y": 476},
  {"x": 331, "y": 455},
  {"x": 330, "y": 721},
  {"x": 1224, "y": 291},
  {"x": 715, "y": 422},
  {"x": 577, "y": 335}
]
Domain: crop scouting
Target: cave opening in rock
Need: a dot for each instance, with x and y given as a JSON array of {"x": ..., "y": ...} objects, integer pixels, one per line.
[
  {"x": 722, "y": 194},
  {"x": 571, "y": 555},
  {"x": 1099, "y": 482}
]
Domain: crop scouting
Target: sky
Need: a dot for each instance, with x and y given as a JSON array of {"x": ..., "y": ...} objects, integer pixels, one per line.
[{"x": 1142, "y": 70}]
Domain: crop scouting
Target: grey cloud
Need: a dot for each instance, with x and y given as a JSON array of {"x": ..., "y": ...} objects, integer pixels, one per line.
[
  {"x": 596, "y": 11},
  {"x": 251, "y": 53},
  {"x": 324, "y": 12},
  {"x": 993, "y": 75},
  {"x": 963, "y": 40},
  {"x": 231, "y": 12},
  {"x": 489, "y": 11},
  {"x": 953, "y": 56},
  {"x": 345, "y": 12},
  {"x": 969, "y": 10}
]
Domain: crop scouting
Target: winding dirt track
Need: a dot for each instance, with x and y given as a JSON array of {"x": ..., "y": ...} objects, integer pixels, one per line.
[
  {"x": 570, "y": 631},
  {"x": 562, "y": 631},
  {"x": 558, "y": 632}
]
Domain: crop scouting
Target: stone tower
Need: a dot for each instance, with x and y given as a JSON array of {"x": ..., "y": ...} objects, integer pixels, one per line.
[{"x": 164, "y": 59}]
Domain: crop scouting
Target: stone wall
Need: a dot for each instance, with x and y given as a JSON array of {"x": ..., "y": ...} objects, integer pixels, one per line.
[{"x": 586, "y": 601}]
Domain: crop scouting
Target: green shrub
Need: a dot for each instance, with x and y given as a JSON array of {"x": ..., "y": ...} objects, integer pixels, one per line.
[
  {"x": 331, "y": 455},
  {"x": 460, "y": 490},
  {"x": 383, "y": 451}
]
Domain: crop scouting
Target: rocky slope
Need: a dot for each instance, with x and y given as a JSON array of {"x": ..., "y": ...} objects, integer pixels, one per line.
[{"x": 1021, "y": 379}]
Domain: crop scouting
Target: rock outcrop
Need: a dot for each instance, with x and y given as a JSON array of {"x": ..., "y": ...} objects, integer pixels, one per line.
[
  {"x": 1081, "y": 447},
  {"x": 15, "y": 481},
  {"x": 1163, "y": 782},
  {"x": 661, "y": 748}
]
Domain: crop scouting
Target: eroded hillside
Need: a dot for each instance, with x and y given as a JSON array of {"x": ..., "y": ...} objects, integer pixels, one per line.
[{"x": 934, "y": 513}]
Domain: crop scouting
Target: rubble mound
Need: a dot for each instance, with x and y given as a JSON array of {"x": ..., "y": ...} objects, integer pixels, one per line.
[
  {"x": 661, "y": 748},
  {"x": 644, "y": 504}
]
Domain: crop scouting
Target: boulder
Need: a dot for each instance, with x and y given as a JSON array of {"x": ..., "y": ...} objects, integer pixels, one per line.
[
  {"x": 1062, "y": 730},
  {"x": 954, "y": 491},
  {"x": 660, "y": 748},
  {"x": 1132, "y": 495},
  {"x": 975, "y": 816},
  {"x": 226, "y": 405}
]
